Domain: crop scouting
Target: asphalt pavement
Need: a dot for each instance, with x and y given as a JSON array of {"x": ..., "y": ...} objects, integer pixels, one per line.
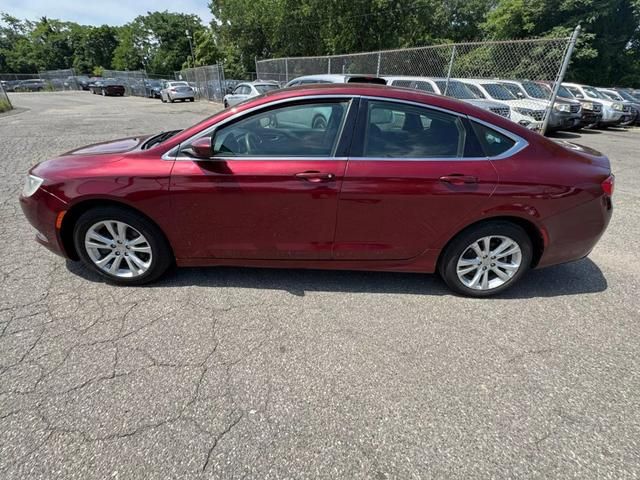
[{"x": 265, "y": 374}]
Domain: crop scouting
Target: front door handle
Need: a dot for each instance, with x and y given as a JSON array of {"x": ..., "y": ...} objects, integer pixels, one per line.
[
  {"x": 315, "y": 176},
  {"x": 458, "y": 179}
]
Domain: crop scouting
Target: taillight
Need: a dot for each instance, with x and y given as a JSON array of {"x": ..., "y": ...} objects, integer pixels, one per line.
[
  {"x": 608, "y": 185},
  {"x": 172, "y": 89}
]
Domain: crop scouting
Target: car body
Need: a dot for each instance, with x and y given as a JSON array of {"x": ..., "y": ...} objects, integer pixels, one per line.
[
  {"x": 334, "y": 78},
  {"x": 454, "y": 89},
  {"x": 152, "y": 88},
  {"x": 108, "y": 87},
  {"x": 246, "y": 90},
  {"x": 566, "y": 114},
  {"x": 627, "y": 100},
  {"x": 612, "y": 112},
  {"x": 32, "y": 85},
  {"x": 591, "y": 110},
  {"x": 529, "y": 114},
  {"x": 398, "y": 180},
  {"x": 80, "y": 82},
  {"x": 9, "y": 85},
  {"x": 176, "y": 90}
]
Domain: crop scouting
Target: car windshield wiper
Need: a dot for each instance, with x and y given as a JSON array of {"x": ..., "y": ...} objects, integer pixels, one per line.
[{"x": 159, "y": 138}]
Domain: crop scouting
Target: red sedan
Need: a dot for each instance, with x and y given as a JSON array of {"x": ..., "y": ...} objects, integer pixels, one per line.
[{"x": 348, "y": 176}]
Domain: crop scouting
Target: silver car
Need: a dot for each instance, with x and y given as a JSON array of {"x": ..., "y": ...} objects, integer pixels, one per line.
[
  {"x": 247, "y": 90},
  {"x": 172, "y": 91}
]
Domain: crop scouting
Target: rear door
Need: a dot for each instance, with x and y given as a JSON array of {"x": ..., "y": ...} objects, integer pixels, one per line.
[
  {"x": 414, "y": 175},
  {"x": 270, "y": 189}
]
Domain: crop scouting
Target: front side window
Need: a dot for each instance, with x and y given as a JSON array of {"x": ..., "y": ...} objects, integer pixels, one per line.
[
  {"x": 302, "y": 130},
  {"x": 536, "y": 90},
  {"x": 401, "y": 83},
  {"x": 515, "y": 89},
  {"x": 424, "y": 86},
  {"x": 456, "y": 90},
  {"x": 564, "y": 92},
  {"x": 395, "y": 130}
]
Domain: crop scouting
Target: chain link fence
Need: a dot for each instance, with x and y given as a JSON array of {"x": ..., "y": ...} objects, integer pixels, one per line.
[
  {"x": 479, "y": 70},
  {"x": 134, "y": 81},
  {"x": 45, "y": 81},
  {"x": 207, "y": 81}
]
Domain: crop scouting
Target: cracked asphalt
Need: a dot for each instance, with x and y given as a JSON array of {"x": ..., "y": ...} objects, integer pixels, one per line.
[{"x": 248, "y": 373}]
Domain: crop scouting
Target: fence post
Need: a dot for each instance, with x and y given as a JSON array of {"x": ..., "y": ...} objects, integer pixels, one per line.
[
  {"x": 286, "y": 70},
  {"x": 560, "y": 77},
  {"x": 453, "y": 56},
  {"x": 329, "y": 67},
  {"x": 378, "y": 67}
]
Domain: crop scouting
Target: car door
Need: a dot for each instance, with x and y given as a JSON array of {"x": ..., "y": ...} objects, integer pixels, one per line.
[
  {"x": 238, "y": 95},
  {"x": 414, "y": 176},
  {"x": 269, "y": 189}
]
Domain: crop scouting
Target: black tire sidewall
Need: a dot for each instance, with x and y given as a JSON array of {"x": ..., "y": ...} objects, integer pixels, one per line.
[
  {"x": 162, "y": 257},
  {"x": 455, "y": 248}
]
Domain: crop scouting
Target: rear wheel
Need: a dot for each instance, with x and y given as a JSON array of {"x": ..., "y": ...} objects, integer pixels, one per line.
[
  {"x": 122, "y": 246},
  {"x": 486, "y": 259},
  {"x": 225, "y": 104}
]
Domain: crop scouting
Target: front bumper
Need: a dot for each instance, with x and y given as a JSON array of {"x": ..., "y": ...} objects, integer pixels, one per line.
[
  {"x": 563, "y": 120},
  {"x": 42, "y": 210},
  {"x": 590, "y": 118}
]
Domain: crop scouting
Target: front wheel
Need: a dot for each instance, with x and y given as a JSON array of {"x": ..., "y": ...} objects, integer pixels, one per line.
[
  {"x": 121, "y": 245},
  {"x": 486, "y": 259}
]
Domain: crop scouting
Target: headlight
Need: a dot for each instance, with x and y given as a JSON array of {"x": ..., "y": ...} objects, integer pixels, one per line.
[
  {"x": 31, "y": 185},
  {"x": 587, "y": 106},
  {"x": 617, "y": 106},
  {"x": 562, "y": 107}
]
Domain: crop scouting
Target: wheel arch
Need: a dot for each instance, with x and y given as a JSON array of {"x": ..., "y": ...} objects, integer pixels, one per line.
[
  {"x": 79, "y": 208},
  {"x": 535, "y": 233}
]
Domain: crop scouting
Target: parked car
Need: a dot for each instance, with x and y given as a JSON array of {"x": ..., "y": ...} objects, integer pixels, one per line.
[
  {"x": 246, "y": 90},
  {"x": 33, "y": 85},
  {"x": 176, "y": 90},
  {"x": 566, "y": 114},
  {"x": 334, "y": 78},
  {"x": 527, "y": 113},
  {"x": 80, "y": 82},
  {"x": 632, "y": 103},
  {"x": 152, "y": 88},
  {"x": 109, "y": 86},
  {"x": 612, "y": 112},
  {"x": 454, "y": 89},
  {"x": 397, "y": 180},
  {"x": 9, "y": 85},
  {"x": 591, "y": 110}
]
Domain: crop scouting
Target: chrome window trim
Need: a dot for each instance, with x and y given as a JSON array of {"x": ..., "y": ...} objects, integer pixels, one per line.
[{"x": 519, "y": 145}]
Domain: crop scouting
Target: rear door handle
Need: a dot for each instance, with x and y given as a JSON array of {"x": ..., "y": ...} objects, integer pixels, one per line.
[
  {"x": 458, "y": 179},
  {"x": 315, "y": 176}
]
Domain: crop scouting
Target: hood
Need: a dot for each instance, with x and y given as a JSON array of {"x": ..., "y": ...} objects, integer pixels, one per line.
[
  {"x": 485, "y": 103},
  {"x": 530, "y": 104},
  {"x": 114, "y": 146}
]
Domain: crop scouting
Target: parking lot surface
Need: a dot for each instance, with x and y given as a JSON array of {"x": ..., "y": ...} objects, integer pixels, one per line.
[{"x": 248, "y": 373}]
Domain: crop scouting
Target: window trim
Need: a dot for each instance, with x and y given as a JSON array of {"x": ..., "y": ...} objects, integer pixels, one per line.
[{"x": 347, "y": 123}]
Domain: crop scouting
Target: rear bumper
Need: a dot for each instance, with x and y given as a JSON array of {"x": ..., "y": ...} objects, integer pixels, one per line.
[
  {"x": 574, "y": 233},
  {"x": 42, "y": 210},
  {"x": 181, "y": 95}
]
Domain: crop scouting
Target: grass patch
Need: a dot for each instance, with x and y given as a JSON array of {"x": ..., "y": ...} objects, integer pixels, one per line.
[{"x": 5, "y": 106}]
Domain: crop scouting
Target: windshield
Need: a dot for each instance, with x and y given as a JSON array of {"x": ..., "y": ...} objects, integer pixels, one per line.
[
  {"x": 456, "y": 90},
  {"x": 627, "y": 96},
  {"x": 515, "y": 89},
  {"x": 498, "y": 92},
  {"x": 179, "y": 84},
  {"x": 266, "y": 88},
  {"x": 593, "y": 93},
  {"x": 613, "y": 96},
  {"x": 564, "y": 92},
  {"x": 536, "y": 90}
]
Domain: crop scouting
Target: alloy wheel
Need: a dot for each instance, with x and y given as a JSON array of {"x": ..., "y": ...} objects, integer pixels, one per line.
[
  {"x": 118, "y": 249},
  {"x": 489, "y": 262}
]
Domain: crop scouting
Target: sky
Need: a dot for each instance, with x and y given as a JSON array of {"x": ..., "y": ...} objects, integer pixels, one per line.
[{"x": 99, "y": 12}]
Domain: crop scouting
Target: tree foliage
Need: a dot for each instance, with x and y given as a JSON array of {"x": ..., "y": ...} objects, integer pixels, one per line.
[{"x": 608, "y": 51}]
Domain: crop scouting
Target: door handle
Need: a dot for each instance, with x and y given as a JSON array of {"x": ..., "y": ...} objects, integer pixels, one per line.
[
  {"x": 458, "y": 179},
  {"x": 315, "y": 176}
]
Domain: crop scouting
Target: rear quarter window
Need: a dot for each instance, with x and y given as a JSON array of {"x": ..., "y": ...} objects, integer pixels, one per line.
[{"x": 493, "y": 142}]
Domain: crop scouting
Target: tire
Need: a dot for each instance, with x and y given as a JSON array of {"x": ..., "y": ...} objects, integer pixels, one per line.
[
  {"x": 104, "y": 93},
  {"x": 459, "y": 249},
  {"x": 172, "y": 100},
  {"x": 192, "y": 99},
  {"x": 225, "y": 104},
  {"x": 156, "y": 262}
]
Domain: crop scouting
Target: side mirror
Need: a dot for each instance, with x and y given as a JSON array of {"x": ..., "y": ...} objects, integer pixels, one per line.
[
  {"x": 579, "y": 95},
  {"x": 201, "y": 148}
]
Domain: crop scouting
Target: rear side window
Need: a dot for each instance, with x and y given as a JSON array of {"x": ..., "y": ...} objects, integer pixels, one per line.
[
  {"x": 401, "y": 83},
  {"x": 425, "y": 87},
  {"x": 493, "y": 142},
  {"x": 395, "y": 130},
  {"x": 476, "y": 90}
]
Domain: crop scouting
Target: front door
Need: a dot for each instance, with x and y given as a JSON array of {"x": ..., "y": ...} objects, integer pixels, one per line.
[
  {"x": 269, "y": 190},
  {"x": 408, "y": 181}
]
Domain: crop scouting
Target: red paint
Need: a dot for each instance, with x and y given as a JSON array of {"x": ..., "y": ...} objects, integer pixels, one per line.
[{"x": 338, "y": 214}]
